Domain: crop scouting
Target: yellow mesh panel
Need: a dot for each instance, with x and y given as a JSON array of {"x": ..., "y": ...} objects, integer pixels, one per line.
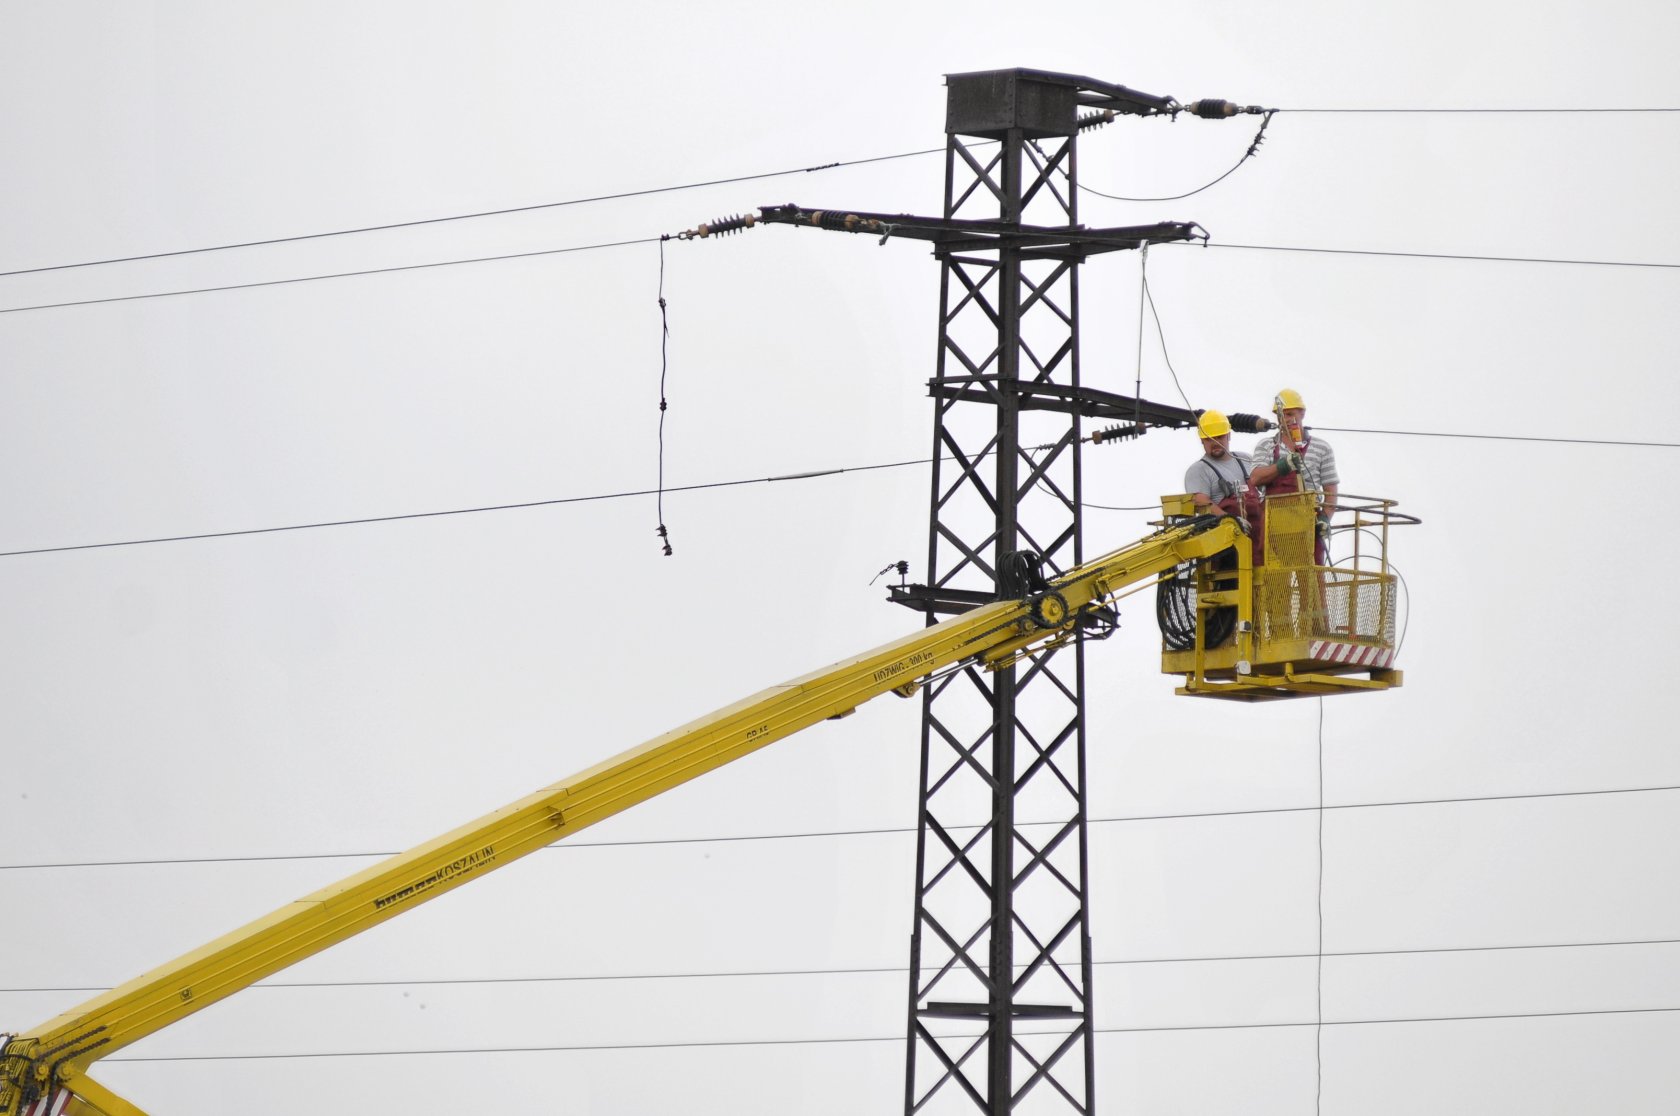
[
  {"x": 1295, "y": 600},
  {"x": 1290, "y": 523},
  {"x": 1360, "y": 604},
  {"x": 1288, "y": 603}
]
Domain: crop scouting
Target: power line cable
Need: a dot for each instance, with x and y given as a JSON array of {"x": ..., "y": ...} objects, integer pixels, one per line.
[
  {"x": 810, "y": 475},
  {"x": 839, "y": 1040},
  {"x": 871, "y": 832},
  {"x": 1432, "y": 255},
  {"x": 471, "y": 216},
  {"x": 333, "y": 275},
  {"x": 878, "y": 970},
  {"x": 462, "y": 511},
  {"x": 1419, "y": 434},
  {"x": 1501, "y": 437},
  {"x": 1376, "y": 111},
  {"x": 1120, "y": 507},
  {"x": 1420, "y": 951},
  {"x": 1201, "y": 241},
  {"x": 1396, "y": 1019},
  {"x": 1161, "y": 333}
]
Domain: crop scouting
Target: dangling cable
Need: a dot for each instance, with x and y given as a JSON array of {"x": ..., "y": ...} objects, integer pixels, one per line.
[
  {"x": 1259, "y": 138},
  {"x": 1143, "y": 290},
  {"x": 1318, "y": 1040},
  {"x": 1161, "y": 335},
  {"x": 664, "y": 336}
]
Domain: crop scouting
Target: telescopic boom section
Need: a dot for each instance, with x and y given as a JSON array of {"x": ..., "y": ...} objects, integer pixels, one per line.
[{"x": 44, "y": 1069}]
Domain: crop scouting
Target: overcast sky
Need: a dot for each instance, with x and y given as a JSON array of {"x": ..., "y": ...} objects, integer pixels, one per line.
[{"x": 277, "y": 702}]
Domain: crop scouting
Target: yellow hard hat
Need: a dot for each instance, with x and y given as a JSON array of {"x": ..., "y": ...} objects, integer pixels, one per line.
[
  {"x": 1286, "y": 400},
  {"x": 1212, "y": 424}
]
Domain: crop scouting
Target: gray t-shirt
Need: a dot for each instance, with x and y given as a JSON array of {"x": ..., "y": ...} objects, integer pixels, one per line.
[{"x": 1221, "y": 478}]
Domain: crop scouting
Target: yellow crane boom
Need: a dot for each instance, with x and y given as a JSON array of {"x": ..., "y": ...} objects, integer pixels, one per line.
[{"x": 43, "y": 1070}]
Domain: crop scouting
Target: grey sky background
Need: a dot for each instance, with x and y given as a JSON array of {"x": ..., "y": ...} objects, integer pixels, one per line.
[{"x": 360, "y": 689}]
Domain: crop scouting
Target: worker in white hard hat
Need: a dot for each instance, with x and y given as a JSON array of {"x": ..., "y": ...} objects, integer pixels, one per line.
[{"x": 1293, "y": 459}]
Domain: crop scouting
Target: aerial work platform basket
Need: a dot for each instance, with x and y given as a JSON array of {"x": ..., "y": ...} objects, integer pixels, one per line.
[{"x": 1264, "y": 621}]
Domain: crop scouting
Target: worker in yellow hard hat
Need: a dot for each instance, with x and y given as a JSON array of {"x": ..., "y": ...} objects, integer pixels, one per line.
[
  {"x": 1219, "y": 483},
  {"x": 1218, "y": 479},
  {"x": 1293, "y": 459}
]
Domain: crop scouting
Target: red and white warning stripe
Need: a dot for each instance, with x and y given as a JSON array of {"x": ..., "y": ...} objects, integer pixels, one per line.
[
  {"x": 1352, "y": 654},
  {"x": 52, "y": 1105}
]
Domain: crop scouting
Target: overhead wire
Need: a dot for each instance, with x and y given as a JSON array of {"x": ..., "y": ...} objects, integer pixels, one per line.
[
  {"x": 1566, "y": 109},
  {"x": 1480, "y": 1017},
  {"x": 363, "y": 520},
  {"x": 873, "y": 970},
  {"x": 471, "y": 216},
  {"x": 330, "y": 275},
  {"x": 869, "y": 832},
  {"x": 808, "y": 475},
  {"x": 1433, "y": 255},
  {"x": 1197, "y": 241},
  {"x": 841, "y": 1040},
  {"x": 1501, "y": 437}
]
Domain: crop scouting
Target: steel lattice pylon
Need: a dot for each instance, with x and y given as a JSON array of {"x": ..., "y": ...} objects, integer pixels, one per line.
[{"x": 1001, "y": 937}]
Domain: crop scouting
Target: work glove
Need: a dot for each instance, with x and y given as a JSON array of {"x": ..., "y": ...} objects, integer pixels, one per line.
[
  {"x": 1323, "y": 527},
  {"x": 1288, "y": 463}
]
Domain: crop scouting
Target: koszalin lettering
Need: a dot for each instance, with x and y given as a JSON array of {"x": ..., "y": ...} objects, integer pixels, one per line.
[{"x": 459, "y": 867}]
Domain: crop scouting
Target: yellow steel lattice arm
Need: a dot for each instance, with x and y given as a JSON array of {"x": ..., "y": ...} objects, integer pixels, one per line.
[{"x": 39, "y": 1064}]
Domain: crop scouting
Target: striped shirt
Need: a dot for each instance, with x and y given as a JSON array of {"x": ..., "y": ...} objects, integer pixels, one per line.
[{"x": 1318, "y": 460}]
